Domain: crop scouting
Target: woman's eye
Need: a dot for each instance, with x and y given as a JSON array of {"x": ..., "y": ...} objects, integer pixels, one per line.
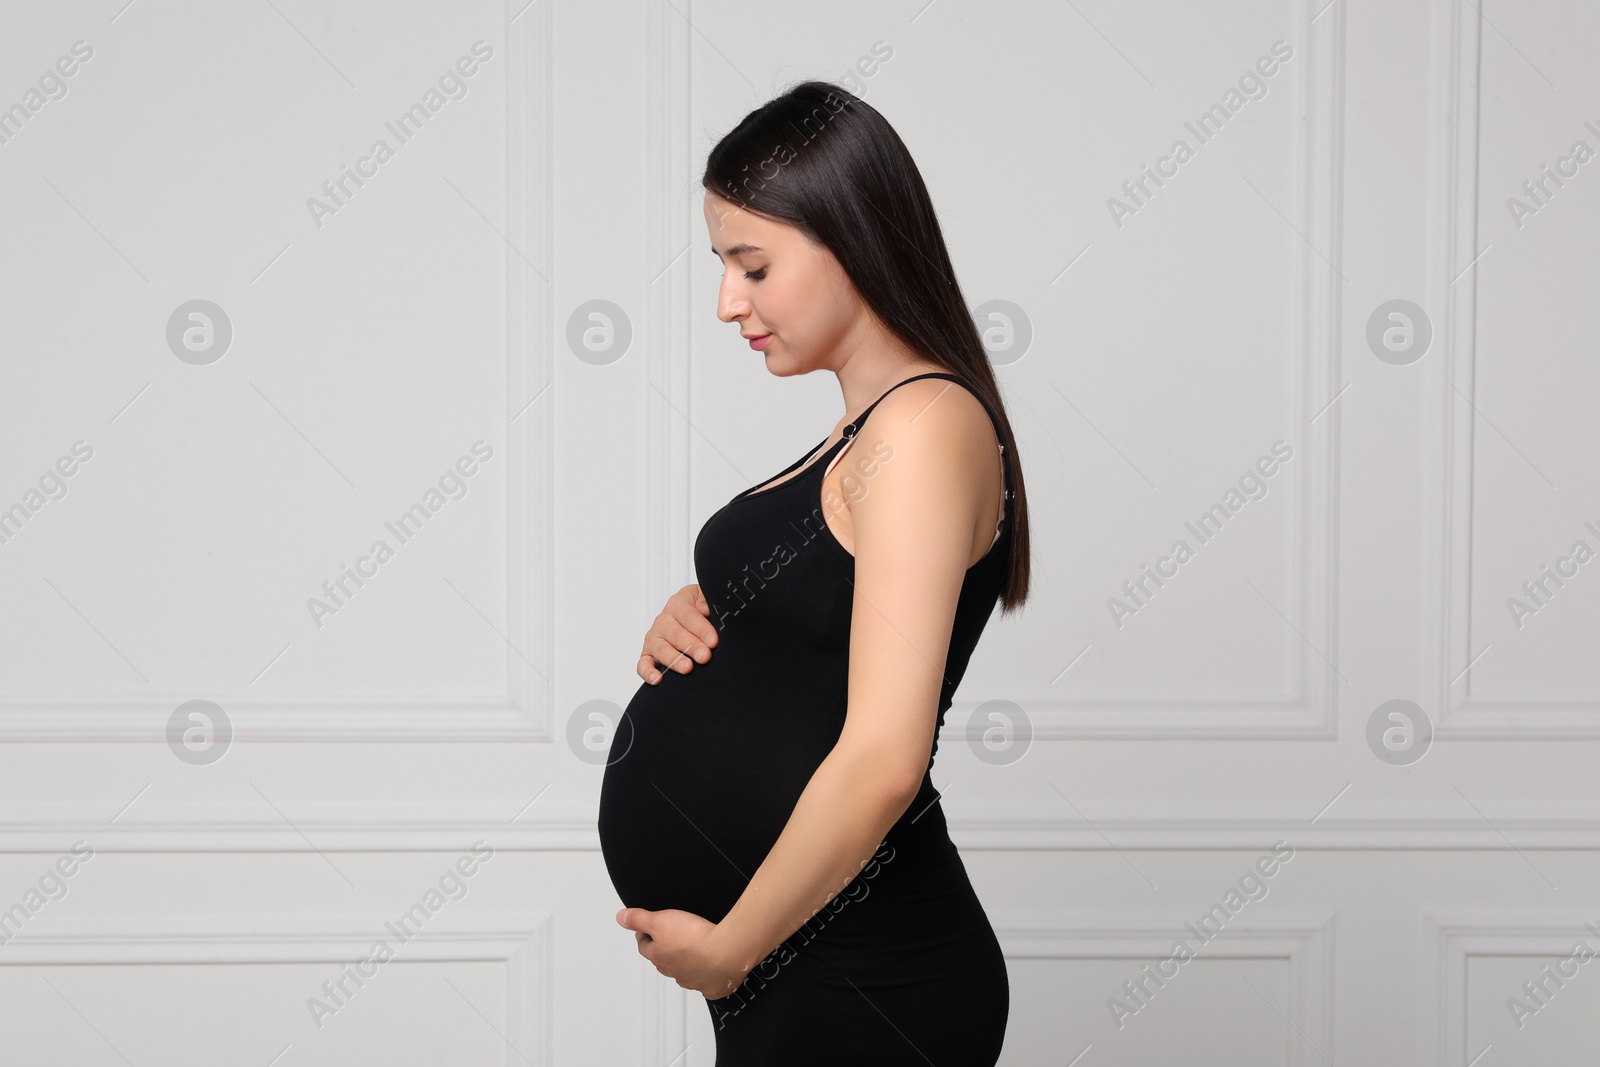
[{"x": 756, "y": 275}]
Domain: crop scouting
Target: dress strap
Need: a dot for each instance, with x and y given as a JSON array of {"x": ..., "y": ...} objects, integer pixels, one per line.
[{"x": 852, "y": 428}]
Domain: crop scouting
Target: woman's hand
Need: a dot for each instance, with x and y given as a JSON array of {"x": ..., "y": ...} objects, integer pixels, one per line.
[
  {"x": 681, "y": 635},
  {"x": 683, "y": 947}
]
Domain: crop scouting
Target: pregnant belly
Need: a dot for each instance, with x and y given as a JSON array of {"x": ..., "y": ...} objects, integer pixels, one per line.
[{"x": 703, "y": 773}]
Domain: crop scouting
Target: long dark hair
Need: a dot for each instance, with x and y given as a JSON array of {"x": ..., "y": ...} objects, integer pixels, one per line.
[{"x": 824, "y": 161}]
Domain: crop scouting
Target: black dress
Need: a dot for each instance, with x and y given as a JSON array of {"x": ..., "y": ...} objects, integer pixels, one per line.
[{"x": 705, "y": 769}]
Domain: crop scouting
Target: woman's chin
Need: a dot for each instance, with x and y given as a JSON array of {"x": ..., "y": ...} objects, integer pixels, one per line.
[{"x": 785, "y": 365}]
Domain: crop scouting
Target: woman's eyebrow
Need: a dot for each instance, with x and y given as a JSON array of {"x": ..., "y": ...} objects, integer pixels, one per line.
[{"x": 737, "y": 250}]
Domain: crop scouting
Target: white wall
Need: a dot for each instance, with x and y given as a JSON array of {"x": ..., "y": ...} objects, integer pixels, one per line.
[{"x": 445, "y": 702}]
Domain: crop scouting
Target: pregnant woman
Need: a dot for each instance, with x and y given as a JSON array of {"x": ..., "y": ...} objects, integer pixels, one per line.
[{"x": 767, "y": 816}]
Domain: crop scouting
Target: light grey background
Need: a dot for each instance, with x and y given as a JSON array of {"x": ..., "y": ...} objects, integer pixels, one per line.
[{"x": 371, "y": 347}]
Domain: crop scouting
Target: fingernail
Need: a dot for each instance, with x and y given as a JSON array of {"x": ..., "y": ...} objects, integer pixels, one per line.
[{"x": 620, "y": 914}]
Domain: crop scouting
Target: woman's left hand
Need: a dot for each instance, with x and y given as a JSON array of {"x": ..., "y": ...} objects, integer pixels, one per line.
[{"x": 681, "y": 945}]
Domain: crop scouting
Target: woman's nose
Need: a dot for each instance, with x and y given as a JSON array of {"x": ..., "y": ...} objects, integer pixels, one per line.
[{"x": 730, "y": 306}]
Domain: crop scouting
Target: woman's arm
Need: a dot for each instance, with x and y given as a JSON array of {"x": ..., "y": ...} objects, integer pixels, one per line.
[{"x": 912, "y": 523}]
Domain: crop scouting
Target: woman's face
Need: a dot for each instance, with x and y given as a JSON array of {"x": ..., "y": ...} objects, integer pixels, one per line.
[{"x": 776, "y": 281}]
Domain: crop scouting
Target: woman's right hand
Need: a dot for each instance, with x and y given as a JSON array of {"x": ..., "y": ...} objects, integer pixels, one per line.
[{"x": 681, "y": 635}]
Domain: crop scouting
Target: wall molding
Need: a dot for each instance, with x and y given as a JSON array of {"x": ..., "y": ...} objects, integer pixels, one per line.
[
  {"x": 674, "y": 217},
  {"x": 1310, "y": 711},
  {"x": 524, "y": 718},
  {"x": 1457, "y": 35},
  {"x": 1303, "y": 939},
  {"x": 1450, "y": 937},
  {"x": 522, "y": 941},
  {"x": 524, "y": 711},
  {"x": 976, "y": 825}
]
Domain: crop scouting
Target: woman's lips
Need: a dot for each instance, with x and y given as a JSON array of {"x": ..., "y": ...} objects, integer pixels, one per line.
[{"x": 760, "y": 343}]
